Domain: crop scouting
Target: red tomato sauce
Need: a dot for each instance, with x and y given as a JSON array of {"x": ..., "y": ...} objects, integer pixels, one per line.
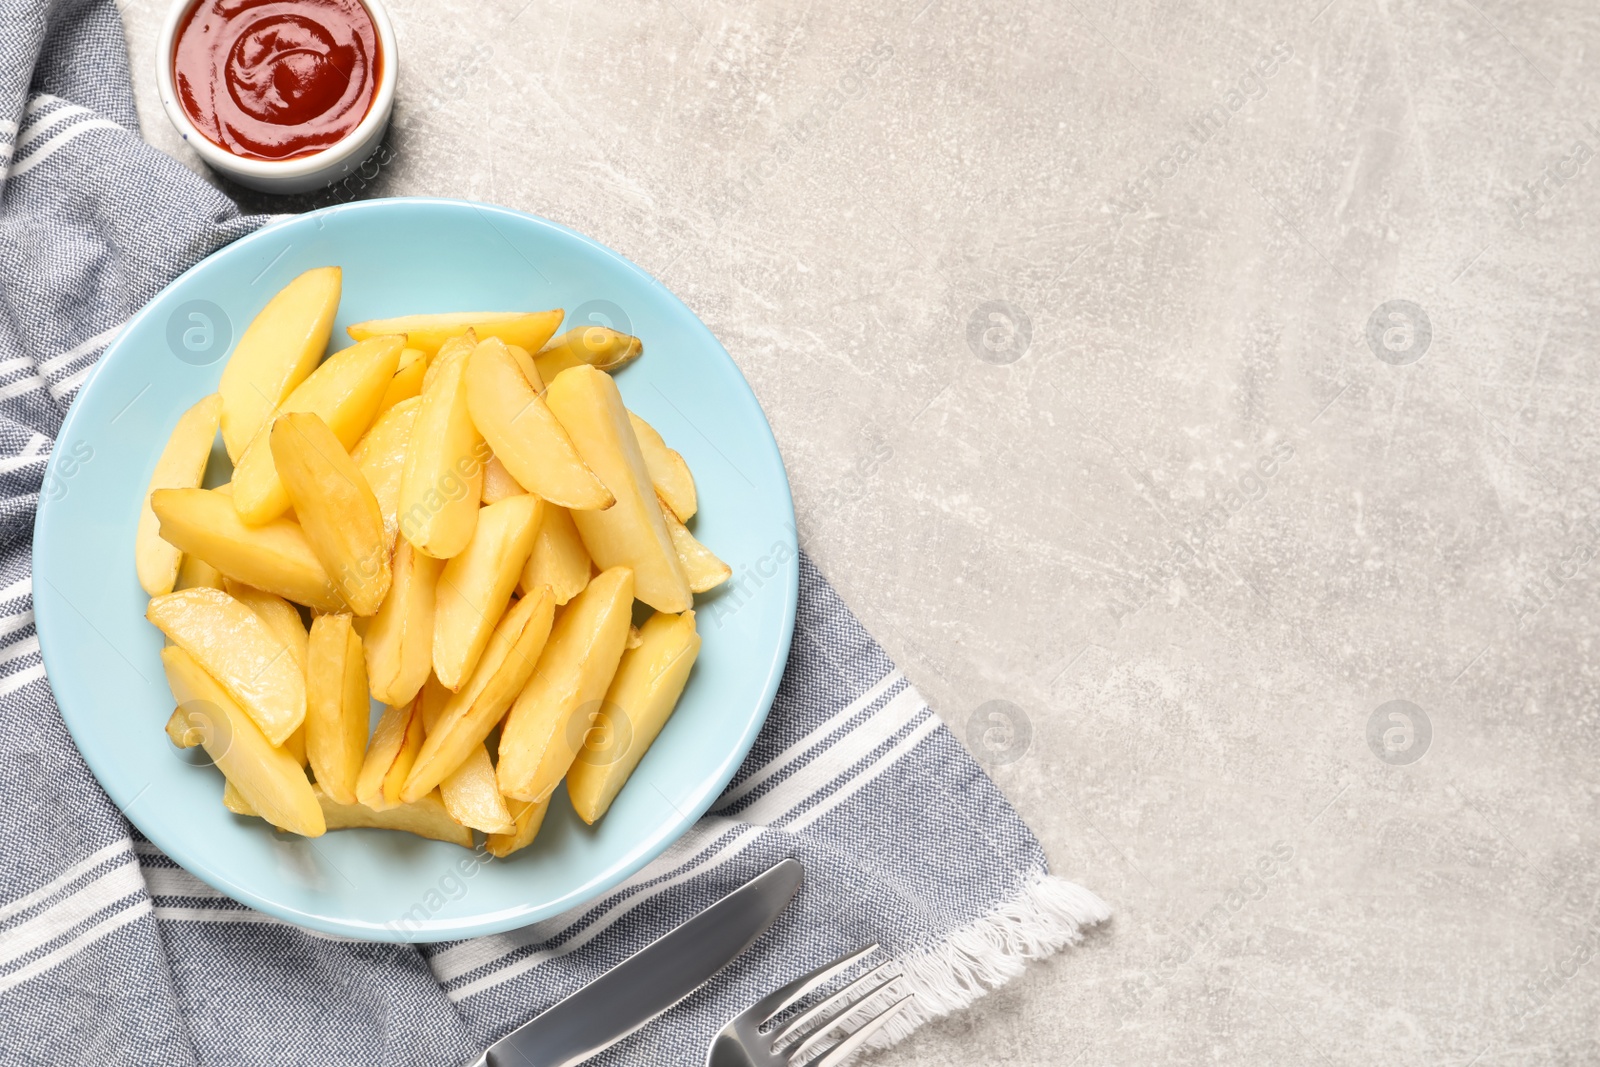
[{"x": 276, "y": 79}]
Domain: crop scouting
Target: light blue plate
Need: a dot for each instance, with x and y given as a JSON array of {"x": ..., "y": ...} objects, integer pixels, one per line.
[{"x": 403, "y": 256}]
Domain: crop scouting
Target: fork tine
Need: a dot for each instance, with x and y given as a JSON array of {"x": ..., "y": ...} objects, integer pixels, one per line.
[
  {"x": 856, "y": 1005},
  {"x": 770, "y": 1005},
  {"x": 822, "y": 1013},
  {"x": 846, "y": 1048}
]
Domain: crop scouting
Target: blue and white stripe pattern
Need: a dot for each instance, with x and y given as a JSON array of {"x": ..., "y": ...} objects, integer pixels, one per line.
[{"x": 111, "y": 954}]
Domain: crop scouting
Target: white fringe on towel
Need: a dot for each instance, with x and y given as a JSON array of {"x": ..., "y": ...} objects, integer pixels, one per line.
[{"x": 1046, "y": 916}]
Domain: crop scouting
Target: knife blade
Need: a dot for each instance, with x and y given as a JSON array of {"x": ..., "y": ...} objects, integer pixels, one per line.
[{"x": 651, "y": 980}]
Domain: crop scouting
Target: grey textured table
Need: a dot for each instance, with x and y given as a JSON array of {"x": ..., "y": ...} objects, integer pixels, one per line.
[{"x": 1195, "y": 381}]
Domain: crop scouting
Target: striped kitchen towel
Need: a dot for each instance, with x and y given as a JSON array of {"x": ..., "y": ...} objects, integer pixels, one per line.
[{"x": 110, "y": 954}]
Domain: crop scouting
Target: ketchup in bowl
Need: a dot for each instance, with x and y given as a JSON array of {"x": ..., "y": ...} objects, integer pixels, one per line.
[{"x": 276, "y": 79}]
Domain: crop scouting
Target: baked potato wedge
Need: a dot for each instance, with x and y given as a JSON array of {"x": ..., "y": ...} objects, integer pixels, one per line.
[
  {"x": 381, "y": 455},
  {"x": 336, "y": 705},
  {"x": 668, "y": 471},
  {"x": 649, "y": 680},
  {"x": 498, "y": 483},
  {"x": 425, "y": 818},
  {"x": 701, "y": 565},
  {"x": 393, "y": 748},
  {"x": 233, "y": 645},
  {"x": 599, "y": 346},
  {"x": 537, "y": 745},
  {"x": 632, "y": 533},
  {"x": 268, "y": 778},
  {"x": 558, "y": 559},
  {"x": 407, "y": 380},
  {"x": 529, "y": 329},
  {"x": 524, "y": 435},
  {"x": 336, "y": 508},
  {"x": 467, "y": 716},
  {"x": 399, "y": 639},
  {"x": 473, "y": 799},
  {"x": 279, "y": 348},
  {"x": 196, "y": 573},
  {"x": 181, "y": 466},
  {"x": 344, "y": 392},
  {"x": 443, "y": 475},
  {"x": 274, "y": 557},
  {"x": 280, "y": 616},
  {"x": 235, "y": 802},
  {"x": 528, "y": 817},
  {"x": 476, "y": 584}
]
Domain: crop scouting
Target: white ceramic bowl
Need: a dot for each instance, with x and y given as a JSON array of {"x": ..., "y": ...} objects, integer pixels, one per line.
[{"x": 288, "y": 175}]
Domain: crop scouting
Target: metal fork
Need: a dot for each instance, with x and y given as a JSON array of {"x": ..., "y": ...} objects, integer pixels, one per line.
[{"x": 742, "y": 1044}]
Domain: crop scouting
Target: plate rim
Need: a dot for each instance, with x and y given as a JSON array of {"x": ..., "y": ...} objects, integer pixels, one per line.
[{"x": 44, "y": 608}]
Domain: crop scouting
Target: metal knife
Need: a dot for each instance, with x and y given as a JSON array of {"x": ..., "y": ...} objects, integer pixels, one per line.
[{"x": 651, "y": 980}]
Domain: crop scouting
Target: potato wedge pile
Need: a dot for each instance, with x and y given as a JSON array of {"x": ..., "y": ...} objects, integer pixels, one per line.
[{"x": 454, "y": 517}]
